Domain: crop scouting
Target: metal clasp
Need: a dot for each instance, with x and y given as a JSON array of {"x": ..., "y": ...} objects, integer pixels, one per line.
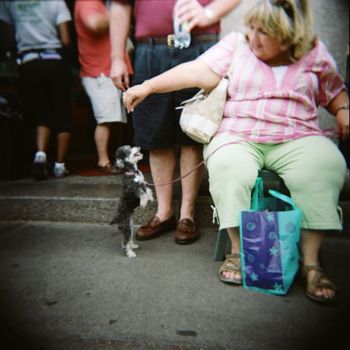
[{"x": 171, "y": 40}]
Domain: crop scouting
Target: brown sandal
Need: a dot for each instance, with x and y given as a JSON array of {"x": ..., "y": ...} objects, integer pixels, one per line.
[
  {"x": 320, "y": 280},
  {"x": 231, "y": 264}
]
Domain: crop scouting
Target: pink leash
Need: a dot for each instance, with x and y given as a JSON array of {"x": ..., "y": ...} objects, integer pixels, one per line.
[{"x": 197, "y": 166}]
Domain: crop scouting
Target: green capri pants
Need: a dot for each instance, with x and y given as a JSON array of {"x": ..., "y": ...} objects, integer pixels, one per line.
[{"x": 312, "y": 168}]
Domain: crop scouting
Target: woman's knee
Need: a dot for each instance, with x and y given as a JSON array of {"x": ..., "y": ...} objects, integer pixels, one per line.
[{"x": 318, "y": 174}]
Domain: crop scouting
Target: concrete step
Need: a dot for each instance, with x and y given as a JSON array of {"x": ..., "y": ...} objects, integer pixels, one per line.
[
  {"x": 89, "y": 199},
  {"x": 93, "y": 199}
]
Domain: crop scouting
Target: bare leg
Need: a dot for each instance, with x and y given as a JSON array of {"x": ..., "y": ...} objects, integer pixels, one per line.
[
  {"x": 233, "y": 233},
  {"x": 162, "y": 164},
  {"x": 310, "y": 245},
  {"x": 102, "y": 134},
  {"x": 189, "y": 158},
  {"x": 42, "y": 138},
  {"x": 63, "y": 139}
]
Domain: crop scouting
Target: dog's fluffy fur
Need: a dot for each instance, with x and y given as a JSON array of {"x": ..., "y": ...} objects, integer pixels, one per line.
[{"x": 135, "y": 193}]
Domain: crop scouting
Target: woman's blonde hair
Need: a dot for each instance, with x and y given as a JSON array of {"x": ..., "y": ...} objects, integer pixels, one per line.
[{"x": 290, "y": 21}]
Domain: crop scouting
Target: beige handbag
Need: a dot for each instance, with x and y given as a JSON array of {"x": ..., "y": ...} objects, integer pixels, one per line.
[{"x": 202, "y": 114}]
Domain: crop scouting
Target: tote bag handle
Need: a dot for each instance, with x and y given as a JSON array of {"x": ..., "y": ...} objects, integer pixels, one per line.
[
  {"x": 283, "y": 198},
  {"x": 258, "y": 198}
]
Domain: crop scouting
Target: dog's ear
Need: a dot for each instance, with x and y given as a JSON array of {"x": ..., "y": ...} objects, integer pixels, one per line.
[
  {"x": 121, "y": 156},
  {"x": 119, "y": 164}
]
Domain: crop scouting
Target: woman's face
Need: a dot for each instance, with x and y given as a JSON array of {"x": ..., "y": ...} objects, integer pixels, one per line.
[{"x": 268, "y": 49}]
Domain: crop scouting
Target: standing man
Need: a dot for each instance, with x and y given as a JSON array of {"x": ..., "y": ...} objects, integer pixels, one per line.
[
  {"x": 155, "y": 120},
  {"x": 92, "y": 26},
  {"x": 42, "y": 35}
]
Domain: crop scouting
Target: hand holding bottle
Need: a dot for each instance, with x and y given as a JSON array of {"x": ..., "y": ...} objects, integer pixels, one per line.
[{"x": 192, "y": 12}]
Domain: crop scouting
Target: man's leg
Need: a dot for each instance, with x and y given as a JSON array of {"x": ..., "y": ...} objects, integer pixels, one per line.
[
  {"x": 190, "y": 157},
  {"x": 42, "y": 138},
  {"x": 162, "y": 164},
  {"x": 102, "y": 133},
  {"x": 39, "y": 167},
  {"x": 63, "y": 140}
]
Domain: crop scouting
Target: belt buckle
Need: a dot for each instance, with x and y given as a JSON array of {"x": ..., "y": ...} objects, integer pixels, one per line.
[{"x": 171, "y": 40}]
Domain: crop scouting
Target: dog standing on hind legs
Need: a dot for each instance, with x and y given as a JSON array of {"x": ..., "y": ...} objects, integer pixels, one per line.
[{"x": 135, "y": 193}]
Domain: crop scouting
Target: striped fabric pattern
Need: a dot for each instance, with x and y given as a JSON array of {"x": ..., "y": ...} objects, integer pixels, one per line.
[{"x": 263, "y": 110}]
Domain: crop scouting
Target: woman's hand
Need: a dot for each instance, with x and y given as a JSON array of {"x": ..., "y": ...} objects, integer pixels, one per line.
[
  {"x": 342, "y": 122},
  {"x": 136, "y": 94}
]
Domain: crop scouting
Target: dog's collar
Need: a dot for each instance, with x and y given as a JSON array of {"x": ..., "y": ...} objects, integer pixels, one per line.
[{"x": 130, "y": 173}]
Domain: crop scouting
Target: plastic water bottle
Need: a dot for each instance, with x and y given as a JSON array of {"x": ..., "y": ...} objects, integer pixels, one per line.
[{"x": 182, "y": 36}]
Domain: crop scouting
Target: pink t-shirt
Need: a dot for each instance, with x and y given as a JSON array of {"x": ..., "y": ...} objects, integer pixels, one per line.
[
  {"x": 260, "y": 108},
  {"x": 154, "y": 18},
  {"x": 94, "y": 50}
]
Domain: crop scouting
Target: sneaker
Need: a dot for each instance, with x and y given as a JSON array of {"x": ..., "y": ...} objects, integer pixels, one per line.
[
  {"x": 39, "y": 171},
  {"x": 59, "y": 171}
]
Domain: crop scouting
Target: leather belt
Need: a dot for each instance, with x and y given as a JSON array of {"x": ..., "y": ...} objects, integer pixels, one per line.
[
  {"x": 169, "y": 40},
  {"x": 44, "y": 54}
]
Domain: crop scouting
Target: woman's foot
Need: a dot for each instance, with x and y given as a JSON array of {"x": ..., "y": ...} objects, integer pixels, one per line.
[
  {"x": 230, "y": 271},
  {"x": 319, "y": 287}
]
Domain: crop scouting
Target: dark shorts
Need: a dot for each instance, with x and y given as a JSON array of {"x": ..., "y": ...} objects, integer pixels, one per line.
[
  {"x": 46, "y": 90},
  {"x": 155, "y": 120}
]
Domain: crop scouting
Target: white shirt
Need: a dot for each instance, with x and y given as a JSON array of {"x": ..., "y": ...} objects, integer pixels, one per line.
[{"x": 35, "y": 22}]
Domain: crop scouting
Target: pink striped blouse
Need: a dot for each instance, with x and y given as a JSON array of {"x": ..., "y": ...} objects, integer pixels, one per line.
[{"x": 260, "y": 108}]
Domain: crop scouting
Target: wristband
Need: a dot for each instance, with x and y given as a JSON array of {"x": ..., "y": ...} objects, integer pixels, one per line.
[{"x": 148, "y": 81}]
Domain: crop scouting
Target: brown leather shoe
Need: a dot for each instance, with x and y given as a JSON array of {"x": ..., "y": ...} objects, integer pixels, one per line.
[
  {"x": 155, "y": 227},
  {"x": 108, "y": 168},
  {"x": 186, "y": 232}
]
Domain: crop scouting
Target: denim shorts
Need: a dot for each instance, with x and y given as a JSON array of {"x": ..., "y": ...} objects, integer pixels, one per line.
[{"x": 155, "y": 120}]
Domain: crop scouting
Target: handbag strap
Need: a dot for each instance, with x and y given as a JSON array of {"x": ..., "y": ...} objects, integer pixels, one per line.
[
  {"x": 258, "y": 198},
  {"x": 234, "y": 55}
]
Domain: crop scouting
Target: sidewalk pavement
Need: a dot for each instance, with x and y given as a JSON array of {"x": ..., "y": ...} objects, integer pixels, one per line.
[{"x": 68, "y": 286}]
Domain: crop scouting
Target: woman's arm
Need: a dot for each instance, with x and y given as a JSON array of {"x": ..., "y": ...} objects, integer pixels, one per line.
[
  {"x": 339, "y": 107},
  {"x": 187, "y": 75}
]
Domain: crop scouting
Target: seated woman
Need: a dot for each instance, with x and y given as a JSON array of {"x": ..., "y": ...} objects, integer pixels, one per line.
[{"x": 281, "y": 74}]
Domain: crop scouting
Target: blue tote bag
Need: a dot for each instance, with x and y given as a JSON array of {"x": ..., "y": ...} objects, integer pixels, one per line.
[{"x": 270, "y": 235}]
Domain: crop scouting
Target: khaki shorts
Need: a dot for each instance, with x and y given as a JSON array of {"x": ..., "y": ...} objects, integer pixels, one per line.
[
  {"x": 105, "y": 99},
  {"x": 312, "y": 168}
]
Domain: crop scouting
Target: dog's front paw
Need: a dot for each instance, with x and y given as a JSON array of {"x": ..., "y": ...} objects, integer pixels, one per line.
[
  {"x": 130, "y": 254},
  {"x": 133, "y": 245},
  {"x": 128, "y": 250}
]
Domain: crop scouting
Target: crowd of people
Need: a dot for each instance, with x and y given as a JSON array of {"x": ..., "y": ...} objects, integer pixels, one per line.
[{"x": 282, "y": 74}]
